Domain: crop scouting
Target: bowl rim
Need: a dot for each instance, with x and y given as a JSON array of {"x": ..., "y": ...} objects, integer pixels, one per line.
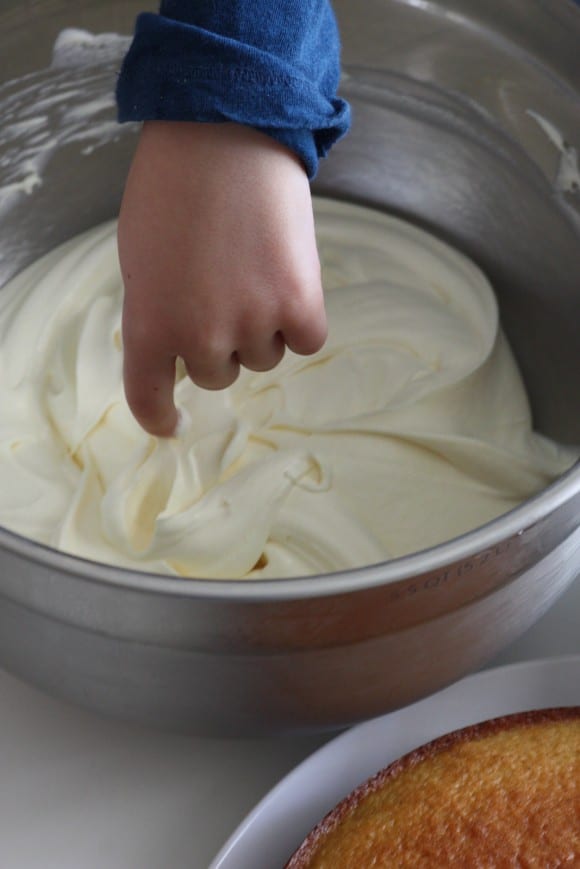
[{"x": 513, "y": 523}]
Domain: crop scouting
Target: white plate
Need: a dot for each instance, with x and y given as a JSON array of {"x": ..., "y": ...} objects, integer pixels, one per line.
[{"x": 275, "y": 828}]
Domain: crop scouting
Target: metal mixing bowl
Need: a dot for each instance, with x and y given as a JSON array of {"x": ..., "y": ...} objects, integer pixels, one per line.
[{"x": 441, "y": 94}]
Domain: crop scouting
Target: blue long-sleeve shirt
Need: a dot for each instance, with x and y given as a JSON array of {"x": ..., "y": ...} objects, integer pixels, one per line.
[{"x": 269, "y": 64}]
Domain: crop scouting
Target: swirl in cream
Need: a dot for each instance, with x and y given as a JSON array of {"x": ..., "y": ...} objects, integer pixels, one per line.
[{"x": 409, "y": 427}]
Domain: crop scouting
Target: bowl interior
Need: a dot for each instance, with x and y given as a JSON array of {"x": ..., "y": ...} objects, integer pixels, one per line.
[{"x": 469, "y": 151}]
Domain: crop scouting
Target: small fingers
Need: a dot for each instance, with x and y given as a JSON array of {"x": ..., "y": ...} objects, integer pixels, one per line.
[
  {"x": 212, "y": 370},
  {"x": 305, "y": 327},
  {"x": 263, "y": 353},
  {"x": 149, "y": 378}
]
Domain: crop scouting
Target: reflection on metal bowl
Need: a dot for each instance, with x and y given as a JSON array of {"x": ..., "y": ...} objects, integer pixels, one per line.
[{"x": 457, "y": 112}]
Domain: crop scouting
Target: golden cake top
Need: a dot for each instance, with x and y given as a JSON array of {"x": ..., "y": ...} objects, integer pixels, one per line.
[{"x": 504, "y": 792}]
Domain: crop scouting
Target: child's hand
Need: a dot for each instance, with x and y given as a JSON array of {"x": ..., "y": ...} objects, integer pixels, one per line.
[{"x": 219, "y": 261}]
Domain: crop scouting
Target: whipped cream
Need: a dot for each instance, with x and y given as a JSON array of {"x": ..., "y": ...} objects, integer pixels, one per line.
[{"x": 409, "y": 427}]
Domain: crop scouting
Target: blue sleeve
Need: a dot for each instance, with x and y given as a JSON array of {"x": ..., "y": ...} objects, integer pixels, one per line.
[{"x": 269, "y": 64}]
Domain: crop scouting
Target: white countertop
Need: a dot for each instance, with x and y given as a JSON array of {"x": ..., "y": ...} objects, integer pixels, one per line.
[{"x": 80, "y": 792}]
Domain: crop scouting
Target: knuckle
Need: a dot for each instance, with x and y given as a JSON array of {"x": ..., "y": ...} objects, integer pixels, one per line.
[
  {"x": 265, "y": 361},
  {"x": 218, "y": 376},
  {"x": 307, "y": 335},
  {"x": 304, "y": 302},
  {"x": 210, "y": 347},
  {"x": 215, "y": 381}
]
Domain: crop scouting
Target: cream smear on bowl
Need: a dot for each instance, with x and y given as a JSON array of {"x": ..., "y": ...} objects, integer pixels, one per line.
[
  {"x": 567, "y": 178},
  {"x": 38, "y": 116},
  {"x": 70, "y": 103},
  {"x": 409, "y": 427}
]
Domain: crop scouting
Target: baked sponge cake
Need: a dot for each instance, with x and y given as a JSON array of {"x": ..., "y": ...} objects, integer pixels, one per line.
[{"x": 504, "y": 793}]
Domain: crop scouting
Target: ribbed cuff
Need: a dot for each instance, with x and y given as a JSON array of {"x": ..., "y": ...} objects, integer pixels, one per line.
[{"x": 179, "y": 72}]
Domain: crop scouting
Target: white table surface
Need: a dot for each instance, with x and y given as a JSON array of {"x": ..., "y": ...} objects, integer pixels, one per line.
[{"x": 74, "y": 784}]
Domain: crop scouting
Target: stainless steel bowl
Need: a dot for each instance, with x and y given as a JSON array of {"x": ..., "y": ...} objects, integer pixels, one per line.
[{"x": 441, "y": 93}]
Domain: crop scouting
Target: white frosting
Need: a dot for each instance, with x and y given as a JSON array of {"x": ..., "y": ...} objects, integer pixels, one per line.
[
  {"x": 567, "y": 178},
  {"x": 409, "y": 427}
]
